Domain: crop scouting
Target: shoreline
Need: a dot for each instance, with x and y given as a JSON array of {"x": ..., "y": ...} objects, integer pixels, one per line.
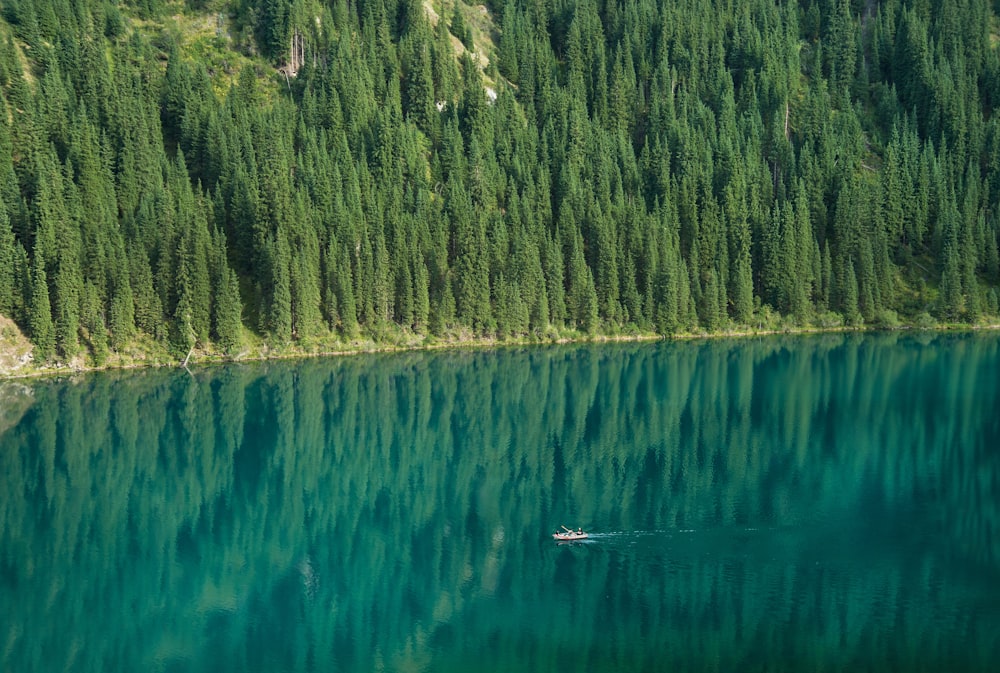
[{"x": 264, "y": 352}]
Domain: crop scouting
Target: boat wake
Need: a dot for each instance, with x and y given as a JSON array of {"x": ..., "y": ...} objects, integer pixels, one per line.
[
  {"x": 692, "y": 543},
  {"x": 673, "y": 532}
]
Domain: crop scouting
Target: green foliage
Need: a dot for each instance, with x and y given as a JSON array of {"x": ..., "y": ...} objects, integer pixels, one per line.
[
  {"x": 7, "y": 268},
  {"x": 459, "y": 28},
  {"x": 672, "y": 166},
  {"x": 40, "y": 313}
]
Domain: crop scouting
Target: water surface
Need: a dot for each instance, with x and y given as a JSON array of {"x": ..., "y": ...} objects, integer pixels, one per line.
[{"x": 785, "y": 504}]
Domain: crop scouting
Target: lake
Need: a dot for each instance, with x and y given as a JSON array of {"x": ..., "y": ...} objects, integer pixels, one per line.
[{"x": 820, "y": 503}]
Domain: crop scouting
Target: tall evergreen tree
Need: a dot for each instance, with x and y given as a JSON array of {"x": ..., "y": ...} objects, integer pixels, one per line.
[
  {"x": 7, "y": 261},
  {"x": 40, "y": 313}
]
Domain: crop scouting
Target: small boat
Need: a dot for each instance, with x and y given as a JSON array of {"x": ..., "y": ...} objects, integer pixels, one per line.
[{"x": 570, "y": 535}]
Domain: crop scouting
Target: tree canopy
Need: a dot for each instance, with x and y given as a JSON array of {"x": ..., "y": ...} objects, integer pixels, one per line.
[{"x": 199, "y": 172}]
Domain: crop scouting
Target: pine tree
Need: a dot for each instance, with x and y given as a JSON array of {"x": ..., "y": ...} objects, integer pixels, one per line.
[
  {"x": 279, "y": 308},
  {"x": 344, "y": 287},
  {"x": 419, "y": 101},
  {"x": 67, "y": 288},
  {"x": 274, "y": 26},
  {"x": 40, "y": 313},
  {"x": 122, "y": 313},
  {"x": 472, "y": 288},
  {"x": 149, "y": 316},
  {"x": 227, "y": 308},
  {"x": 607, "y": 281},
  {"x": 421, "y": 296},
  {"x": 458, "y": 26},
  {"x": 7, "y": 269},
  {"x": 867, "y": 303},
  {"x": 555, "y": 283},
  {"x": 305, "y": 273},
  {"x": 734, "y": 207},
  {"x": 849, "y": 306},
  {"x": 710, "y": 313},
  {"x": 841, "y": 46},
  {"x": 92, "y": 326},
  {"x": 771, "y": 271}
]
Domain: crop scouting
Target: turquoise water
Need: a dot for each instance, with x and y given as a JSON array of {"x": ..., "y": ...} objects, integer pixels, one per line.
[{"x": 824, "y": 503}]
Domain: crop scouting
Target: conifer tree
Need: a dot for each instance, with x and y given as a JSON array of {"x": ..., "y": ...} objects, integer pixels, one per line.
[
  {"x": 92, "y": 327},
  {"x": 122, "y": 311},
  {"x": 711, "y": 316},
  {"x": 555, "y": 283},
  {"x": 458, "y": 26},
  {"x": 7, "y": 269},
  {"x": 305, "y": 273},
  {"x": 279, "y": 307},
  {"x": 867, "y": 303},
  {"x": 227, "y": 306},
  {"x": 419, "y": 100},
  {"x": 274, "y": 26},
  {"x": 849, "y": 303},
  {"x": 472, "y": 289},
  {"x": 40, "y": 313},
  {"x": 771, "y": 272},
  {"x": 343, "y": 284},
  {"x": 421, "y": 296}
]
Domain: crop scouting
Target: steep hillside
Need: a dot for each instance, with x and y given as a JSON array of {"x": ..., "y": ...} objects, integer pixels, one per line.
[
  {"x": 309, "y": 174},
  {"x": 15, "y": 349}
]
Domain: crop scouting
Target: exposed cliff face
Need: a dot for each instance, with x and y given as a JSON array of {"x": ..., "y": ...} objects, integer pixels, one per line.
[{"x": 15, "y": 349}]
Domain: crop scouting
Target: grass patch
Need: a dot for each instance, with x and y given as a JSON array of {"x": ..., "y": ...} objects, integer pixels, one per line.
[
  {"x": 481, "y": 24},
  {"x": 206, "y": 37}
]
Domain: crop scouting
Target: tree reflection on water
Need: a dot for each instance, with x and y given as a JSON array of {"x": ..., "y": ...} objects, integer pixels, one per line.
[{"x": 820, "y": 502}]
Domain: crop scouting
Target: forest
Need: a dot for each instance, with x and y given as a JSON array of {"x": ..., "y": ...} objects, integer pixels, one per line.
[{"x": 221, "y": 174}]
